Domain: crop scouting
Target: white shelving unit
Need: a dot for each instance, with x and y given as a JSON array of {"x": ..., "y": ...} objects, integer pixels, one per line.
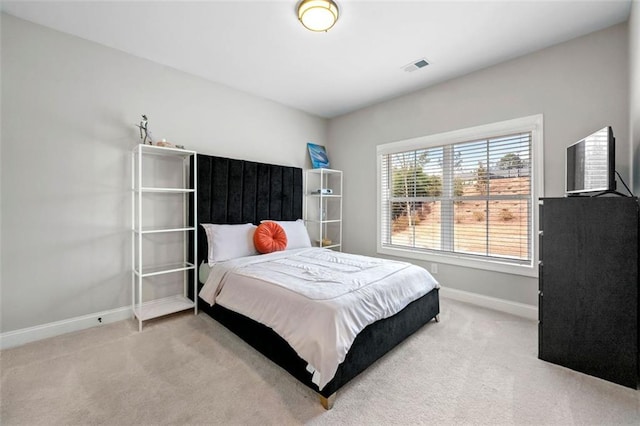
[
  {"x": 323, "y": 211},
  {"x": 142, "y": 200}
]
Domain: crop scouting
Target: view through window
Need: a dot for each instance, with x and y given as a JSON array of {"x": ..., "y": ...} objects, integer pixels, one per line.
[{"x": 472, "y": 198}]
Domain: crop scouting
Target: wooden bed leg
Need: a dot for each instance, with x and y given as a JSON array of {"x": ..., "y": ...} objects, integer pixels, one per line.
[
  {"x": 327, "y": 402},
  {"x": 437, "y": 318}
]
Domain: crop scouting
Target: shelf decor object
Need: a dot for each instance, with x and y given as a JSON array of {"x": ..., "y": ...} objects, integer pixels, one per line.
[
  {"x": 323, "y": 207},
  {"x": 318, "y": 156},
  {"x": 144, "y": 269},
  {"x": 145, "y": 133}
]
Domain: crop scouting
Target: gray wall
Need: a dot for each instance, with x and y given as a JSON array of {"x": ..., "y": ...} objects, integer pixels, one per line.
[
  {"x": 68, "y": 112},
  {"x": 69, "y": 105},
  {"x": 580, "y": 86},
  {"x": 634, "y": 91}
]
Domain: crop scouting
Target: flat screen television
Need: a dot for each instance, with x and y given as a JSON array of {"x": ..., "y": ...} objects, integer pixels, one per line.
[{"x": 590, "y": 165}]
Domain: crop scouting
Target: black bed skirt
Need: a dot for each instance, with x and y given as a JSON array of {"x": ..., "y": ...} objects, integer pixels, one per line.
[{"x": 372, "y": 343}]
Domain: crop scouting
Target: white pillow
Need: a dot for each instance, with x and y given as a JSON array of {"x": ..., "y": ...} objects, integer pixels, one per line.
[
  {"x": 229, "y": 241},
  {"x": 297, "y": 235}
]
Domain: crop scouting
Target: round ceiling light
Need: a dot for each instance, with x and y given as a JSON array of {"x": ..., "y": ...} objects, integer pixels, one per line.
[{"x": 318, "y": 15}]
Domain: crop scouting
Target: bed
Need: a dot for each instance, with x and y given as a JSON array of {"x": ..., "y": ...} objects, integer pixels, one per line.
[{"x": 238, "y": 192}]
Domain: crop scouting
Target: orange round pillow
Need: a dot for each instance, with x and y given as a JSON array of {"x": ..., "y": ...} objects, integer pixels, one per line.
[{"x": 269, "y": 237}]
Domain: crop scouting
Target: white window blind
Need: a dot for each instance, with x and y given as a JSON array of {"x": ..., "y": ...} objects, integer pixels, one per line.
[{"x": 471, "y": 198}]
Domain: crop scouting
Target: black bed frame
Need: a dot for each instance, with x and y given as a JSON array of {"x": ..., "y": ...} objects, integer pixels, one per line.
[{"x": 237, "y": 191}]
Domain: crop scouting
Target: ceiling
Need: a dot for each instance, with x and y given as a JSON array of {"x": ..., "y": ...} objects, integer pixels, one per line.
[{"x": 259, "y": 46}]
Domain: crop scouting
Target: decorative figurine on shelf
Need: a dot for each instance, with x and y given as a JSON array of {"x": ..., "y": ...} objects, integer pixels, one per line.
[
  {"x": 164, "y": 143},
  {"x": 145, "y": 133}
]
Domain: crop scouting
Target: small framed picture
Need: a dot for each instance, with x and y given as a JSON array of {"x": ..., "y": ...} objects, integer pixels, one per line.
[{"x": 318, "y": 155}]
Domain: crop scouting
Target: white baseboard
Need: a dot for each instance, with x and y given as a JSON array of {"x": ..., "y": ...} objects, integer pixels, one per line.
[
  {"x": 514, "y": 308},
  {"x": 31, "y": 334}
]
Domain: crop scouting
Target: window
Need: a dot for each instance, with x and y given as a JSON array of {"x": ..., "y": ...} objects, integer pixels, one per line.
[{"x": 466, "y": 197}]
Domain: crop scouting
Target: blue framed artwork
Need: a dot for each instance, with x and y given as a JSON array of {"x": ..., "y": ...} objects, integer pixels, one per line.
[{"x": 318, "y": 155}]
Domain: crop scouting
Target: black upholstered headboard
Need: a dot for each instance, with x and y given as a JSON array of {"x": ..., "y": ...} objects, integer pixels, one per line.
[{"x": 237, "y": 191}]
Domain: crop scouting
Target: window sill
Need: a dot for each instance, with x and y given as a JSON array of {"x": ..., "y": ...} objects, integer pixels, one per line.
[{"x": 459, "y": 260}]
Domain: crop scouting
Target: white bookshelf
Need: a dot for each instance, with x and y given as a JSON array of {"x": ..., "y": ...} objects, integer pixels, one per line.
[
  {"x": 323, "y": 210},
  {"x": 142, "y": 185}
]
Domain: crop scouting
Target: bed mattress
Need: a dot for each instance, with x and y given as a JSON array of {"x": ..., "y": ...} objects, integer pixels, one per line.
[{"x": 317, "y": 300}]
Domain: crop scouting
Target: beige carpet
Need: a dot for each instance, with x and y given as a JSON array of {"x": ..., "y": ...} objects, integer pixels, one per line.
[{"x": 475, "y": 367}]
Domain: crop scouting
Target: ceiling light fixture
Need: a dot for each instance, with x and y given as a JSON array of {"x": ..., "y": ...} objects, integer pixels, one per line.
[{"x": 318, "y": 15}]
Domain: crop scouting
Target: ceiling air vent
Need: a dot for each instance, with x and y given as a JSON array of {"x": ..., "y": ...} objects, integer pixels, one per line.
[{"x": 415, "y": 65}]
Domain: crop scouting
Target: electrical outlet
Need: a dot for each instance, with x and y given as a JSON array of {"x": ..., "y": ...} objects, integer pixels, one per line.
[{"x": 434, "y": 268}]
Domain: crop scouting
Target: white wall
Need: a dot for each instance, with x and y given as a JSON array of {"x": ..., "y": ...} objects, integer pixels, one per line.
[
  {"x": 69, "y": 105},
  {"x": 634, "y": 91},
  {"x": 1, "y": 198},
  {"x": 69, "y": 109},
  {"x": 580, "y": 86}
]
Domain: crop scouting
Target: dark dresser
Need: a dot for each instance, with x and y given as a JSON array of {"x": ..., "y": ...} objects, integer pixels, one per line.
[{"x": 588, "y": 286}]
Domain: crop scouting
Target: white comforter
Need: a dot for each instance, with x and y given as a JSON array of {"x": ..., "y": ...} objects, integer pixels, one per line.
[{"x": 318, "y": 300}]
